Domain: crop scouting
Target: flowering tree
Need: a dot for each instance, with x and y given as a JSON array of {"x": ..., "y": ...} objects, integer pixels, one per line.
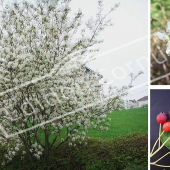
[{"x": 45, "y": 96}]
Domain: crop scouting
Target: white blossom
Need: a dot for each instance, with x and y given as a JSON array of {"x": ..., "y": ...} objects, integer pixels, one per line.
[{"x": 165, "y": 37}]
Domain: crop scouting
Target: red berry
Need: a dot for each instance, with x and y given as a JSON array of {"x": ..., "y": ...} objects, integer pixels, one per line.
[
  {"x": 169, "y": 113},
  {"x": 161, "y": 118},
  {"x": 166, "y": 127}
]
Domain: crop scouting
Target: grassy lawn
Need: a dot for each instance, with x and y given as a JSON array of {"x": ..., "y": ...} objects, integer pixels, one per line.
[
  {"x": 122, "y": 123},
  {"x": 125, "y": 122}
]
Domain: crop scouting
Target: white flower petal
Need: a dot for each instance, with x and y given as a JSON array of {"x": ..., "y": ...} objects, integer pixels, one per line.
[
  {"x": 168, "y": 49},
  {"x": 168, "y": 29},
  {"x": 162, "y": 36}
]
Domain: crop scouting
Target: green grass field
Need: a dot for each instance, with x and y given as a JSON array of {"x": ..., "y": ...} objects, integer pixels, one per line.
[{"x": 124, "y": 122}]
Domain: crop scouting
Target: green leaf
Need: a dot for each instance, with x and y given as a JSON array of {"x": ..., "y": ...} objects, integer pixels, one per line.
[{"x": 164, "y": 137}]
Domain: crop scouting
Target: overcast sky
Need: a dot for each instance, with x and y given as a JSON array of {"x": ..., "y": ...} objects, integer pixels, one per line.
[{"x": 125, "y": 46}]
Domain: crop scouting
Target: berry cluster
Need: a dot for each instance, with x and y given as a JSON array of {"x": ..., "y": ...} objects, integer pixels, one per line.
[{"x": 162, "y": 119}]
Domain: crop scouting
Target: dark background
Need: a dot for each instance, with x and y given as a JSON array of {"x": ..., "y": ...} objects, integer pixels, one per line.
[{"x": 160, "y": 102}]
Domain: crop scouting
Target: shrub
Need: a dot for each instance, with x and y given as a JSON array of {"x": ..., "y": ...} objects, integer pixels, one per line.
[
  {"x": 106, "y": 154},
  {"x": 144, "y": 106},
  {"x": 43, "y": 62}
]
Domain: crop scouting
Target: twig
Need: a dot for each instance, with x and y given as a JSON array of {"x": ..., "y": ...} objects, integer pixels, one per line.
[
  {"x": 160, "y": 147},
  {"x": 156, "y": 143},
  {"x": 161, "y": 157},
  {"x": 159, "y": 134}
]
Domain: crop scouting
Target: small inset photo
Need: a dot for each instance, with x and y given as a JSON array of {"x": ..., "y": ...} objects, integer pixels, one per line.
[
  {"x": 160, "y": 42},
  {"x": 160, "y": 129}
]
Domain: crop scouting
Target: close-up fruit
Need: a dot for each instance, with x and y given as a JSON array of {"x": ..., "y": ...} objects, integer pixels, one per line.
[
  {"x": 161, "y": 118},
  {"x": 166, "y": 126}
]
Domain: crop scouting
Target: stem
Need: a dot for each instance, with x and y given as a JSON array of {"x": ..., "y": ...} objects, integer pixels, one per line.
[
  {"x": 160, "y": 165},
  {"x": 71, "y": 132},
  {"x": 159, "y": 135},
  {"x": 46, "y": 145},
  {"x": 27, "y": 148},
  {"x": 95, "y": 31},
  {"x": 161, "y": 157},
  {"x": 160, "y": 147},
  {"x": 156, "y": 143}
]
